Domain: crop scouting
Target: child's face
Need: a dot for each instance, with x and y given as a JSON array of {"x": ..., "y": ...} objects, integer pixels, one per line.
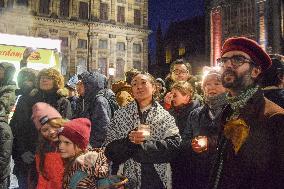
[
  {"x": 66, "y": 147},
  {"x": 179, "y": 99},
  {"x": 49, "y": 133}
]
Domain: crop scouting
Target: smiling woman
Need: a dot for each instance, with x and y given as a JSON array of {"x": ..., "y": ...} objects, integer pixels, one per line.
[{"x": 144, "y": 155}]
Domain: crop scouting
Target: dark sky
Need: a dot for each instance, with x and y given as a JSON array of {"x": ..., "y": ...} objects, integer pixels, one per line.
[{"x": 166, "y": 11}]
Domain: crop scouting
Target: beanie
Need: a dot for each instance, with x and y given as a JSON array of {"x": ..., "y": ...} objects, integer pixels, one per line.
[
  {"x": 250, "y": 47},
  {"x": 42, "y": 113},
  {"x": 78, "y": 131}
]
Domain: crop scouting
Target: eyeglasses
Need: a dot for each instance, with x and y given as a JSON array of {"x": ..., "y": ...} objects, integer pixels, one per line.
[
  {"x": 180, "y": 71},
  {"x": 236, "y": 61},
  {"x": 46, "y": 78}
]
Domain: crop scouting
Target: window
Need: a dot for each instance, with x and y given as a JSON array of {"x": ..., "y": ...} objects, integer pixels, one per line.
[
  {"x": 64, "y": 65},
  {"x": 103, "y": 11},
  {"x": 121, "y": 1},
  {"x": 83, "y": 10},
  {"x": 82, "y": 43},
  {"x": 82, "y": 65},
  {"x": 22, "y": 2},
  {"x": 1, "y": 3},
  {"x": 136, "y": 48},
  {"x": 120, "y": 14},
  {"x": 168, "y": 56},
  {"x": 137, "y": 17},
  {"x": 120, "y": 46},
  {"x": 64, "y": 8},
  {"x": 103, "y": 44},
  {"x": 10, "y": 3},
  {"x": 120, "y": 68},
  {"x": 64, "y": 41},
  {"x": 44, "y": 6},
  {"x": 102, "y": 66},
  {"x": 138, "y": 1},
  {"x": 137, "y": 64}
]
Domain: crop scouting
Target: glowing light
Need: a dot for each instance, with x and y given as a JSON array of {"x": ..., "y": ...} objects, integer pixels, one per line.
[{"x": 33, "y": 42}]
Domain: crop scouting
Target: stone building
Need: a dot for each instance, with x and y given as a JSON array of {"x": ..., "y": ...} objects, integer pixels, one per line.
[
  {"x": 261, "y": 20},
  {"x": 95, "y": 34}
]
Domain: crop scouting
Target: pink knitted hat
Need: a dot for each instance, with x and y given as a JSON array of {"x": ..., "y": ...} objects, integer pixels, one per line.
[{"x": 42, "y": 113}]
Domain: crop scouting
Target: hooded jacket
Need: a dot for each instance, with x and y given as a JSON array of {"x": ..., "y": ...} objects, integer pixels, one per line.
[{"x": 95, "y": 108}]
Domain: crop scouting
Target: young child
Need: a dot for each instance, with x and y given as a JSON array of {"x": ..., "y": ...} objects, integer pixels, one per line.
[
  {"x": 49, "y": 165},
  {"x": 73, "y": 142}
]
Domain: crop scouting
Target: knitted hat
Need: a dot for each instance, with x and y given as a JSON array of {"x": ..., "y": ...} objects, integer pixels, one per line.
[
  {"x": 78, "y": 131},
  {"x": 250, "y": 47},
  {"x": 42, "y": 113}
]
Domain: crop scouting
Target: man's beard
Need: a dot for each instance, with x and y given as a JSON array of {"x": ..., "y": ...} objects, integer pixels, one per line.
[{"x": 231, "y": 80}]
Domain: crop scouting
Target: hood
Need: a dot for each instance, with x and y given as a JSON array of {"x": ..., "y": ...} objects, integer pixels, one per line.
[
  {"x": 93, "y": 82},
  {"x": 9, "y": 71}
]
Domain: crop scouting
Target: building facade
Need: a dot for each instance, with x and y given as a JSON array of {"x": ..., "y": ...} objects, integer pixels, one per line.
[
  {"x": 95, "y": 34},
  {"x": 261, "y": 20}
]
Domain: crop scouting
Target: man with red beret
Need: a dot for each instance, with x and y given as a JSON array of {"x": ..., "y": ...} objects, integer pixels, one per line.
[{"x": 251, "y": 146}]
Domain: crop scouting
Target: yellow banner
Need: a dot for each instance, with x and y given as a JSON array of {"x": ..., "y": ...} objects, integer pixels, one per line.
[{"x": 13, "y": 53}]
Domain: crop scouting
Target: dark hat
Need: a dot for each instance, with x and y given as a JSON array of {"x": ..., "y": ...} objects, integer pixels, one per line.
[
  {"x": 78, "y": 131},
  {"x": 250, "y": 47}
]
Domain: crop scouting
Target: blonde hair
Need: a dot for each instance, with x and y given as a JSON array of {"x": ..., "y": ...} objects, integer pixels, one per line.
[
  {"x": 58, "y": 79},
  {"x": 184, "y": 87}
]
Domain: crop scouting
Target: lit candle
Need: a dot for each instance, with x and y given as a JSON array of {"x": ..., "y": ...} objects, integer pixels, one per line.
[{"x": 202, "y": 142}]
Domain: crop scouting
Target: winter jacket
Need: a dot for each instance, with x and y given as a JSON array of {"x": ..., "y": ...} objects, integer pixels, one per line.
[
  {"x": 82, "y": 177},
  {"x": 259, "y": 163},
  {"x": 53, "y": 171},
  {"x": 6, "y": 141},
  {"x": 96, "y": 109},
  {"x": 24, "y": 131},
  {"x": 145, "y": 165},
  {"x": 179, "y": 163},
  {"x": 275, "y": 94}
]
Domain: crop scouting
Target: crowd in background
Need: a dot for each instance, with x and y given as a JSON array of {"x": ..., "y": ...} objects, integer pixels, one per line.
[{"x": 147, "y": 132}]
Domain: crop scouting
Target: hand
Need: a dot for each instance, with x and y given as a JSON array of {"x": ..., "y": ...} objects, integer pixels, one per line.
[
  {"x": 88, "y": 160},
  {"x": 28, "y": 157},
  {"x": 28, "y": 51},
  {"x": 168, "y": 98},
  {"x": 136, "y": 137},
  {"x": 199, "y": 144}
]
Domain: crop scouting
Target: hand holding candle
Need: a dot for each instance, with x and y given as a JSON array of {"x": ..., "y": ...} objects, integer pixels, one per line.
[
  {"x": 199, "y": 144},
  {"x": 140, "y": 135}
]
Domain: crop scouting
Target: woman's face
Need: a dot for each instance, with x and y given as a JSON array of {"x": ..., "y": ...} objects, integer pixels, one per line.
[
  {"x": 179, "y": 99},
  {"x": 180, "y": 73},
  {"x": 213, "y": 86},
  {"x": 66, "y": 147},
  {"x": 44, "y": 130},
  {"x": 46, "y": 83},
  {"x": 142, "y": 88},
  {"x": 49, "y": 132},
  {"x": 80, "y": 88}
]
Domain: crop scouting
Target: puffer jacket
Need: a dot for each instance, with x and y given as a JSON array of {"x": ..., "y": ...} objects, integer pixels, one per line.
[{"x": 95, "y": 108}]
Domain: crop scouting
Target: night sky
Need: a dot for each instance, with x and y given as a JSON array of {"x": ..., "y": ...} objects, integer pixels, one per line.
[{"x": 167, "y": 11}]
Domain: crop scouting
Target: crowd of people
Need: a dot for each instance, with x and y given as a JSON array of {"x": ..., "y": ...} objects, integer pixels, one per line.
[{"x": 147, "y": 132}]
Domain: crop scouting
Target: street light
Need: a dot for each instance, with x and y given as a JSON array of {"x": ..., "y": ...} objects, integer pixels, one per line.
[{"x": 111, "y": 72}]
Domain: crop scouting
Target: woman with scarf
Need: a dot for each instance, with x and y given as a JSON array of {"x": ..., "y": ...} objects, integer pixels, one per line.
[
  {"x": 142, "y": 138},
  {"x": 201, "y": 133}
]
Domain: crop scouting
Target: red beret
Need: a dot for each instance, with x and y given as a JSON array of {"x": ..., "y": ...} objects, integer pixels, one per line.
[
  {"x": 78, "y": 131},
  {"x": 250, "y": 47}
]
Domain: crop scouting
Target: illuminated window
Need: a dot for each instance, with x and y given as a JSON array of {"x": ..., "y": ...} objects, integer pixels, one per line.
[
  {"x": 103, "y": 11},
  {"x": 64, "y": 8},
  {"x": 181, "y": 50},
  {"x": 120, "y": 14},
  {"x": 168, "y": 56},
  {"x": 83, "y": 10}
]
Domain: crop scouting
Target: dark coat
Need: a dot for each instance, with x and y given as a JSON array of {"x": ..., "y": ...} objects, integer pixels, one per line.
[
  {"x": 6, "y": 141},
  {"x": 198, "y": 165},
  {"x": 275, "y": 95},
  {"x": 97, "y": 109},
  {"x": 260, "y": 161}
]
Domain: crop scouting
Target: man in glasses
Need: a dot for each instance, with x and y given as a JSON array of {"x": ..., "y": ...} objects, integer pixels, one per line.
[{"x": 251, "y": 143}]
